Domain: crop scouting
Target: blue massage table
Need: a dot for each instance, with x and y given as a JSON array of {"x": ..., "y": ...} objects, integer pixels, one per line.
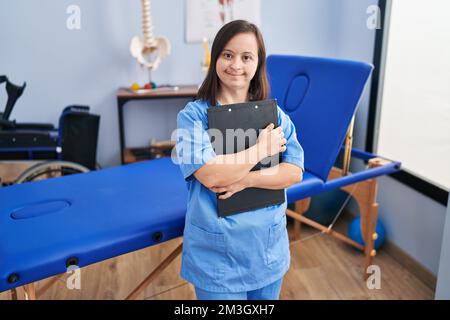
[
  {"x": 321, "y": 97},
  {"x": 77, "y": 220}
]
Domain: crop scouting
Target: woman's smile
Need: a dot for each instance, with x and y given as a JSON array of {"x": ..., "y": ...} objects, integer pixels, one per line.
[{"x": 234, "y": 74}]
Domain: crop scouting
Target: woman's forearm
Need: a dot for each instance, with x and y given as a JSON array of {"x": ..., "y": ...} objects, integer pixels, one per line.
[
  {"x": 277, "y": 177},
  {"x": 227, "y": 169}
]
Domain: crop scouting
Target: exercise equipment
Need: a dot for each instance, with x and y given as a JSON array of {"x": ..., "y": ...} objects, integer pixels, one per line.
[
  {"x": 354, "y": 232},
  {"x": 99, "y": 215},
  {"x": 135, "y": 86}
]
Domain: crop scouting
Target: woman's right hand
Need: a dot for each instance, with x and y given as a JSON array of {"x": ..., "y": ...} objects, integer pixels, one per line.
[{"x": 271, "y": 141}]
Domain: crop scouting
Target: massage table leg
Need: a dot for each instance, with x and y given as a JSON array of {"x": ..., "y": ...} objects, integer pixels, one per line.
[
  {"x": 50, "y": 283},
  {"x": 30, "y": 292},
  {"x": 160, "y": 268},
  {"x": 365, "y": 193},
  {"x": 14, "y": 294},
  {"x": 324, "y": 229},
  {"x": 301, "y": 207},
  {"x": 369, "y": 215},
  {"x": 40, "y": 292}
]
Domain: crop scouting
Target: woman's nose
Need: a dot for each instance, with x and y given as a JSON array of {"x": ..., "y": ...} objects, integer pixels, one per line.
[{"x": 236, "y": 64}]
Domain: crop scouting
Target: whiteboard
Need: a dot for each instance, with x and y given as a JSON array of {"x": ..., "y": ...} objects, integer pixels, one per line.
[
  {"x": 414, "y": 124},
  {"x": 205, "y": 17}
]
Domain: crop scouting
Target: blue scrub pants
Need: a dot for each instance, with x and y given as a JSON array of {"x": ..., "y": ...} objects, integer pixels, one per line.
[{"x": 269, "y": 292}]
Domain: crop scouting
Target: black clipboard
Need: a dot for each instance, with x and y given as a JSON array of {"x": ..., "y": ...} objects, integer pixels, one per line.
[{"x": 250, "y": 115}]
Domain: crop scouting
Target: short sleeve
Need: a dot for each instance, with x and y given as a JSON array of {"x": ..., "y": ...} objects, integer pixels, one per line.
[
  {"x": 193, "y": 146},
  {"x": 294, "y": 151}
]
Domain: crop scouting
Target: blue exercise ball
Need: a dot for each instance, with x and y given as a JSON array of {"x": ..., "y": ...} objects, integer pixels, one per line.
[{"x": 354, "y": 232}]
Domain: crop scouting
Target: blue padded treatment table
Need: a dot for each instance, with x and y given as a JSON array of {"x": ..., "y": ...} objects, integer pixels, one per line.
[
  {"x": 320, "y": 95},
  {"x": 85, "y": 218}
]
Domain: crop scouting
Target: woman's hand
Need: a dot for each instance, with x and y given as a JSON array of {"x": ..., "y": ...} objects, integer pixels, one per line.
[
  {"x": 228, "y": 191},
  {"x": 271, "y": 141}
]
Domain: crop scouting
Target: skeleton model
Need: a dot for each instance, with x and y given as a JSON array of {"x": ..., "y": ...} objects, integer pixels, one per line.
[{"x": 149, "y": 51}]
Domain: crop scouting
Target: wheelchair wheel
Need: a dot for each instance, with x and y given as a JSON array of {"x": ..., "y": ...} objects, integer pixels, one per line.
[{"x": 50, "y": 169}]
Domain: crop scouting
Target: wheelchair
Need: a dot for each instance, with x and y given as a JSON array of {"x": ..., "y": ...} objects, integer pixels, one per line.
[{"x": 68, "y": 149}]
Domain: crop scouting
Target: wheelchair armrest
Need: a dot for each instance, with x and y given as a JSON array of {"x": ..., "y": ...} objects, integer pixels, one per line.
[
  {"x": 8, "y": 124},
  {"x": 35, "y": 126}
]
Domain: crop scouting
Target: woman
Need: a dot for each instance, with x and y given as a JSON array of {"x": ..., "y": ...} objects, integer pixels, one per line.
[{"x": 243, "y": 256}]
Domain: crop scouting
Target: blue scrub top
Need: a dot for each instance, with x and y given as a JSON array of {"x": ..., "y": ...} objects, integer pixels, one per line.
[{"x": 242, "y": 252}]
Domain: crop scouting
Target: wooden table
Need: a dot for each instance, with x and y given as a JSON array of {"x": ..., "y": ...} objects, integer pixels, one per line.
[{"x": 124, "y": 95}]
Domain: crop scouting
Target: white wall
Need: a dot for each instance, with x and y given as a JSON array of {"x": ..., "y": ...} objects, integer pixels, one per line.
[
  {"x": 413, "y": 221},
  {"x": 87, "y": 66}
]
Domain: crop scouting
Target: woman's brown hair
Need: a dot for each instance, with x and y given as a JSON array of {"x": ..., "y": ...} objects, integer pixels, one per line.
[{"x": 259, "y": 85}]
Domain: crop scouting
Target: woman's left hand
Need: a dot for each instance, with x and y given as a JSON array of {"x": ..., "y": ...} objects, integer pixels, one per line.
[{"x": 228, "y": 191}]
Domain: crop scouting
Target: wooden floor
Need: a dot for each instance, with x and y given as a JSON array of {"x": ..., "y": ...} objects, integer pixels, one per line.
[{"x": 321, "y": 268}]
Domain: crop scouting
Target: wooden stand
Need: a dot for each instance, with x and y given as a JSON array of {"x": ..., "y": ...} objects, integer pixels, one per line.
[
  {"x": 155, "y": 150},
  {"x": 160, "y": 268},
  {"x": 365, "y": 193},
  {"x": 124, "y": 95}
]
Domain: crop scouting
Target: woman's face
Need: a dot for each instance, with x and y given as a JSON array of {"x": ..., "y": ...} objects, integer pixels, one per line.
[{"x": 238, "y": 61}]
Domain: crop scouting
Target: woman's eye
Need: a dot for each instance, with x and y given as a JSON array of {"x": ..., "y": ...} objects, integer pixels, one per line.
[
  {"x": 227, "y": 55},
  {"x": 247, "y": 58}
]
